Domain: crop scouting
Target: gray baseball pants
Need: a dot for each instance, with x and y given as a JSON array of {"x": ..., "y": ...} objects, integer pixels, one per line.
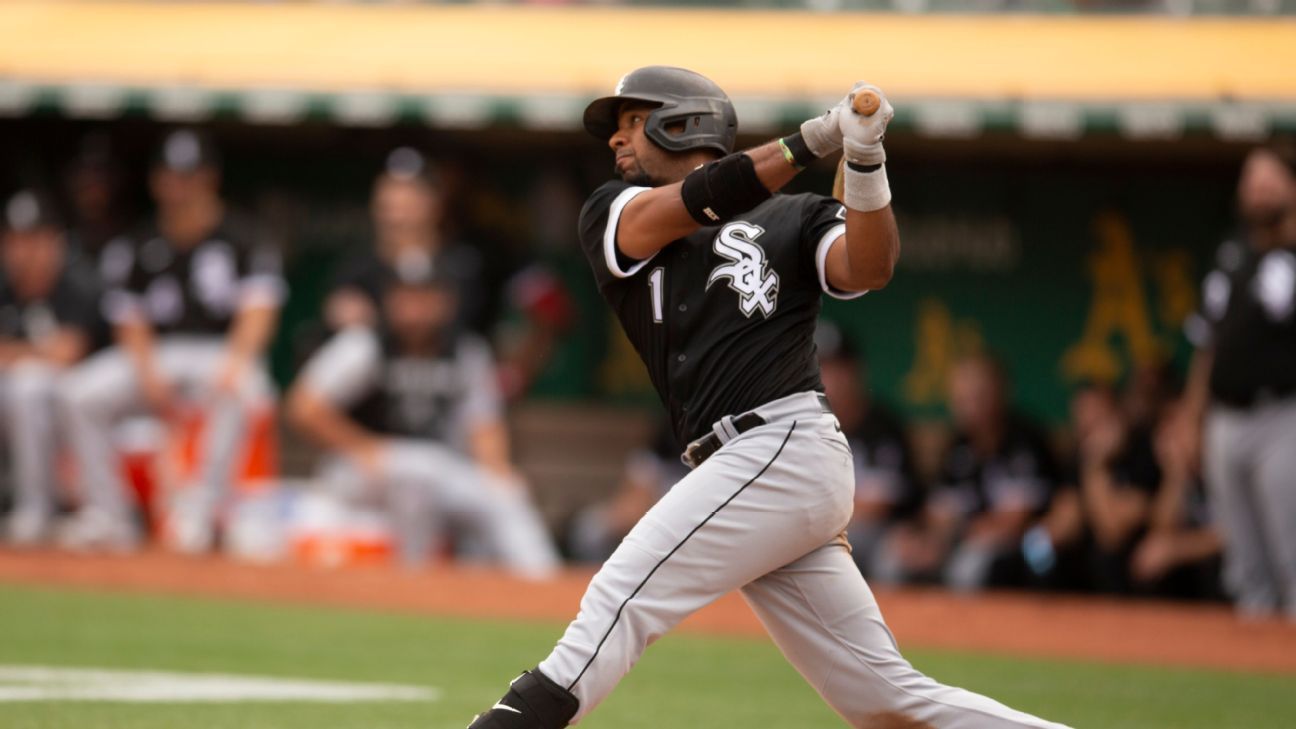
[
  {"x": 1250, "y": 464},
  {"x": 429, "y": 488},
  {"x": 28, "y": 388},
  {"x": 105, "y": 388},
  {"x": 765, "y": 515}
]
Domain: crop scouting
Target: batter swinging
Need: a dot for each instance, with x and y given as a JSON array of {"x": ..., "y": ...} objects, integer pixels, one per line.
[{"x": 717, "y": 283}]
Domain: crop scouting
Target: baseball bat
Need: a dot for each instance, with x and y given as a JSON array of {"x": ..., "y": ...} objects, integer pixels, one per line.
[{"x": 865, "y": 103}]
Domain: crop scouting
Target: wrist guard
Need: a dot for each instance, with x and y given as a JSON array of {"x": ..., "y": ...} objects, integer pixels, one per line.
[{"x": 866, "y": 187}]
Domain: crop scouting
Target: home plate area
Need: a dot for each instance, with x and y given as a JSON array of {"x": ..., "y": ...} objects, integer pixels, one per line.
[{"x": 47, "y": 683}]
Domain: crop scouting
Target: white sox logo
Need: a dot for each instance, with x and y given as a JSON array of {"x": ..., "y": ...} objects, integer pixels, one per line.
[{"x": 749, "y": 273}]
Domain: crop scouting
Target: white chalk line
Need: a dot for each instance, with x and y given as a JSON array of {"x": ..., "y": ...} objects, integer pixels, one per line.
[{"x": 49, "y": 683}]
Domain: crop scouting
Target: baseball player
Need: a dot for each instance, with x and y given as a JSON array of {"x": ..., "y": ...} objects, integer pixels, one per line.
[
  {"x": 48, "y": 314},
  {"x": 1242, "y": 388},
  {"x": 407, "y": 210},
  {"x": 717, "y": 283},
  {"x": 194, "y": 299},
  {"x": 411, "y": 414}
]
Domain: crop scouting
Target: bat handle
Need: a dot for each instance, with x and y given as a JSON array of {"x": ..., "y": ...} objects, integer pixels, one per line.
[{"x": 865, "y": 103}]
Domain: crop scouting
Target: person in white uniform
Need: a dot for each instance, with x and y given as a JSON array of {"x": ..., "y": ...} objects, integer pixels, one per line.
[{"x": 410, "y": 414}]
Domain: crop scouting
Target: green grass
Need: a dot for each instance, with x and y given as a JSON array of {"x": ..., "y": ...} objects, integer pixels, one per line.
[{"x": 684, "y": 681}]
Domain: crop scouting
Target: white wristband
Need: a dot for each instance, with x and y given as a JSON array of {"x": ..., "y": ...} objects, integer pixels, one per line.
[{"x": 866, "y": 191}]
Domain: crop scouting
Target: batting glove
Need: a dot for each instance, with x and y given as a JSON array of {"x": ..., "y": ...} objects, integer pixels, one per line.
[
  {"x": 862, "y": 135},
  {"x": 866, "y": 187},
  {"x": 822, "y": 134}
]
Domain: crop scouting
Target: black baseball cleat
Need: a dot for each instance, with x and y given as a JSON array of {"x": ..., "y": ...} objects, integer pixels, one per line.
[{"x": 532, "y": 702}]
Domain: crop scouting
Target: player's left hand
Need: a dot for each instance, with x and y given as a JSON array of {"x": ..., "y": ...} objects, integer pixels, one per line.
[
  {"x": 822, "y": 134},
  {"x": 862, "y": 135}
]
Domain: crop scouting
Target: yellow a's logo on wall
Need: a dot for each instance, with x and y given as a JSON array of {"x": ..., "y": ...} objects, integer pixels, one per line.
[{"x": 1119, "y": 326}]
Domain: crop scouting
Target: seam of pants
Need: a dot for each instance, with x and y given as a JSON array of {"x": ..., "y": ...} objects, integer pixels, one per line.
[
  {"x": 675, "y": 549},
  {"x": 796, "y": 582}
]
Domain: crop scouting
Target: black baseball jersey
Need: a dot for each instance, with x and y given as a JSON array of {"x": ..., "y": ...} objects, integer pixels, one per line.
[
  {"x": 724, "y": 318},
  {"x": 189, "y": 290},
  {"x": 370, "y": 275},
  {"x": 1020, "y": 475},
  {"x": 73, "y": 303},
  {"x": 437, "y": 396},
  {"x": 1249, "y": 305},
  {"x": 1134, "y": 466}
]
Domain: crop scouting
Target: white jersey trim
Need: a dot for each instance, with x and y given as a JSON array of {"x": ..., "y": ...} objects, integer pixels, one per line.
[
  {"x": 609, "y": 234},
  {"x": 821, "y": 264}
]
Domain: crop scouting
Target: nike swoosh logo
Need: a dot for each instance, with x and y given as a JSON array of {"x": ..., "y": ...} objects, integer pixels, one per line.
[{"x": 506, "y": 707}]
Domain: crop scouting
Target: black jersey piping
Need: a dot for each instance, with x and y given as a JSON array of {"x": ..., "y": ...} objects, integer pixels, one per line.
[{"x": 675, "y": 549}]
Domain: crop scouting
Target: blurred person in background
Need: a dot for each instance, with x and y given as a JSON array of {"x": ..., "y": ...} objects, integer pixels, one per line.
[
  {"x": 48, "y": 311},
  {"x": 886, "y": 487},
  {"x": 410, "y": 413},
  {"x": 1179, "y": 556},
  {"x": 650, "y": 472},
  {"x": 995, "y": 477},
  {"x": 1242, "y": 385},
  {"x": 94, "y": 182},
  {"x": 1114, "y": 474},
  {"x": 407, "y": 207},
  {"x": 193, "y": 297}
]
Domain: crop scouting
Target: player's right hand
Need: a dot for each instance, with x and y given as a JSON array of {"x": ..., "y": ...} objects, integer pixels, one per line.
[{"x": 862, "y": 135}]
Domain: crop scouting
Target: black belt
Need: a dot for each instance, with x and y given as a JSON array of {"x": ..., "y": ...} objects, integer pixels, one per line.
[{"x": 706, "y": 446}]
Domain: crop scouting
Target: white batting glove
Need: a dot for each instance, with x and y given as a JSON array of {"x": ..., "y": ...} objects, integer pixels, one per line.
[
  {"x": 822, "y": 134},
  {"x": 866, "y": 187},
  {"x": 862, "y": 135}
]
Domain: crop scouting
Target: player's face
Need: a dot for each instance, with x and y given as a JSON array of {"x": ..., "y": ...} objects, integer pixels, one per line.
[
  {"x": 1090, "y": 409},
  {"x": 1266, "y": 197},
  {"x": 32, "y": 259},
  {"x": 975, "y": 396},
  {"x": 418, "y": 314},
  {"x": 403, "y": 207},
  {"x": 638, "y": 161},
  {"x": 172, "y": 188}
]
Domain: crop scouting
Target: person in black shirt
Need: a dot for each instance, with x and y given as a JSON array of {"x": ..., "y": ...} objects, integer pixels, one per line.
[
  {"x": 1180, "y": 554},
  {"x": 717, "y": 283},
  {"x": 193, "y": 297},
  {"x": 47, "y": 321},
  {"x": 1113, "y": 478},
  {"x": 407, "y": 207},
  {"x": 995, "y": 477},
  {"x": 1243, "y": 384},
  {"x": 886, "y": 487}
]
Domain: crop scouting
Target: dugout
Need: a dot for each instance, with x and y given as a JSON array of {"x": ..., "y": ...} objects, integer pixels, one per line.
[{"x": 1061, "y": 182}]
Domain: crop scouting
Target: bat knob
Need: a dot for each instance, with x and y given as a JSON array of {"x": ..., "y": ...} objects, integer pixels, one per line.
[{"x": 865, "y": 103}]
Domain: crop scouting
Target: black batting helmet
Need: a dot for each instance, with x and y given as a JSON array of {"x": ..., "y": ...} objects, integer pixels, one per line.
[{"x": 681, "y": 96}]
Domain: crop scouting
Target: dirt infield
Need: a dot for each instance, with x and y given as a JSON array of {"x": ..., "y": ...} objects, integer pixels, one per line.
[{"x": 1012, "y": 624}]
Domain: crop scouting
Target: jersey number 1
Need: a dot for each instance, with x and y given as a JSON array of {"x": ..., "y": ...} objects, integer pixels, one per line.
[{"x": 655, "y": 287}]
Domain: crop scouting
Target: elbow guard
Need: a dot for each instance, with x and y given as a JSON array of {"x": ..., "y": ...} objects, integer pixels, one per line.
[{"x": 717, "y": 191}]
